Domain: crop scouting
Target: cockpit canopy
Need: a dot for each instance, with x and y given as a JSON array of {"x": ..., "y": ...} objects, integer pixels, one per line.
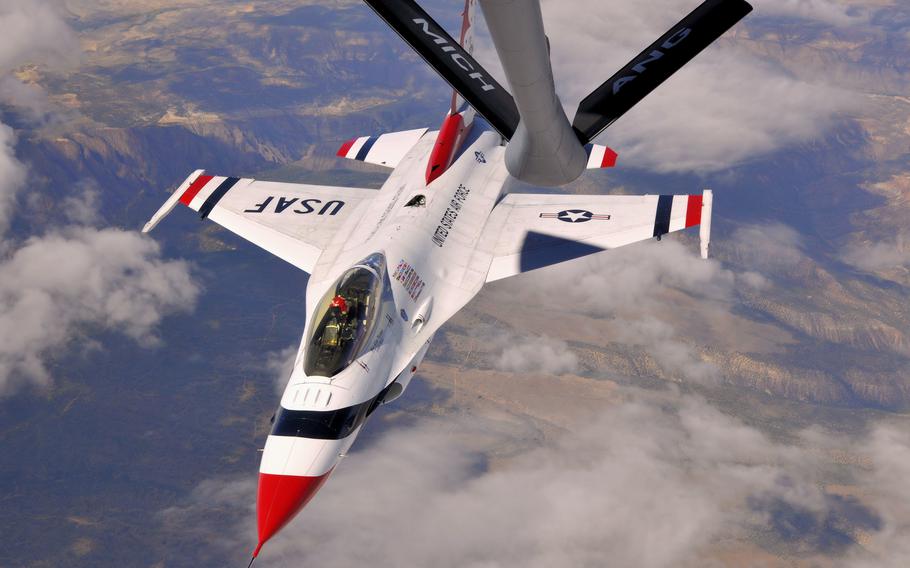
[{"x": 345, "y": 319}]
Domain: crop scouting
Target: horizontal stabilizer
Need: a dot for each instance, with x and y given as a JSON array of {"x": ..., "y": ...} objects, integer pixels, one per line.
[
  {"x": 383, "y": 150},
  {"x": 529, "y": 231},
  {"x": 453, "y": 63},
  {"x": 655, "y": 65}
]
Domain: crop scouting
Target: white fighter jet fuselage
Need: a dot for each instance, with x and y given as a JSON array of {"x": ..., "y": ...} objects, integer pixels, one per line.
[
  {"x": 373, "y": 305},
  {"x": 389, "y": 267}
]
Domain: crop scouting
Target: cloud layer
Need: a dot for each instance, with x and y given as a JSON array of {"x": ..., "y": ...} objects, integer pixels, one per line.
[
  {"x": 650, "y": 483},
  {"x": 823, "y": 11},
  {"x": 34, "y": 32},
  {"x": 531, "y": 354},
  {"x": 57, "y": 283},
  {"x": 280, "y": 364},
  {"x": 878, "y": 256},
  {"x": 12, "y": 176},
  {"x": 634, "y": 289}
]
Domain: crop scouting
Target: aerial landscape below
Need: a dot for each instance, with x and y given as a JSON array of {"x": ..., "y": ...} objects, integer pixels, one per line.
[{"x": 566, "y": 405}]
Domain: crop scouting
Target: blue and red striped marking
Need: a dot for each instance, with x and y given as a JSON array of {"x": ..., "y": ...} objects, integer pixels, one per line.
[
  {"x": 357, "y": 148},
  {"x": 664, "y": 214},
  {"x": 194, "y": 189},
  {"x": 345, "y": 148},
  {"x": 693, "y": 211},
  {"x": 600, "y": 156},
  {"x": 213, "y": 198},
  {"x": 216, "y": 196}
]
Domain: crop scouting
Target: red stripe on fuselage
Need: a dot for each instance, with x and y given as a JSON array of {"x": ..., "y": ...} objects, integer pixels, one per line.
[
  {"x": 194, "y": 189},
  {"x": 450, "y": 137},
  {"x": 693, "y": 211}
]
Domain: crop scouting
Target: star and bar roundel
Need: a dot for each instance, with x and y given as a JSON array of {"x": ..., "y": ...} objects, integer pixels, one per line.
[{"x": 575, "y": 216}]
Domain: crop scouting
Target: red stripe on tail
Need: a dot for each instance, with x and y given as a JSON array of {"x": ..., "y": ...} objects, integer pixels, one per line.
[
  {"x": 193, "y": 189},
  {"x": 693, "y": 211}
]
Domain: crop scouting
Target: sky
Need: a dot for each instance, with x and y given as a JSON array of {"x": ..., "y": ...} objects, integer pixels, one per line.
[{"x": 689, "y": 475}]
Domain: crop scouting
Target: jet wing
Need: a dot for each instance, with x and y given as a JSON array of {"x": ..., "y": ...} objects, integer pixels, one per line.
[
  {"x": 530, "y": 231},
  {"x": 295, "y": 222},
  {"x": 383, "y": 150}
]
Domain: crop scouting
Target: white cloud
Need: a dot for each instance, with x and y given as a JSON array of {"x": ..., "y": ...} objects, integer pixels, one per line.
[
  {"x": 12, "y": 176},
  {"x": 725, "y": 107},
  {"x": 889, "y": 450},
  {"x": 638, "y": 290},
  {"x": 824, "y": 11},
  {"x": 35, "y": 32},
  {"x": 659, "y": 339},
  {"x": 82, "y": 208},
  {"x": 30, "y": 100},
  {"x": 772, "y": 248},
  {"x": 279, "y": 365},
  {"x": 662, "y": 299},
  {"x": 876, "y": 256},
  {"x": 630, "y": 279},
  {"x": 79, "y": 276},
  {"x": 649, "y": 483},
  {"x": 531, "y": 354}
]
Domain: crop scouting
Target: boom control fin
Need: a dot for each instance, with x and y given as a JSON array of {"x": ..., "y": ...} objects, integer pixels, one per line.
[{"x": 655, "y": 65}]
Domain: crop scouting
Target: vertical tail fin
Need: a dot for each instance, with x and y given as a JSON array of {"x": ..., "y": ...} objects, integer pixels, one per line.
[
  {"x": 443, "y": 53},
  {"x": 467, "y": 43},
  {"x": 467, "y": 26}
]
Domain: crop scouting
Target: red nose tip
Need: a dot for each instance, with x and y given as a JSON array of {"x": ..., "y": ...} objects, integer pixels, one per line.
[{"x": 280, "y": 498}]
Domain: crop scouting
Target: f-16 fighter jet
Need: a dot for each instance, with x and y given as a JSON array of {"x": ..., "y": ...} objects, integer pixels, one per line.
[{"x": 389, "y": 267}]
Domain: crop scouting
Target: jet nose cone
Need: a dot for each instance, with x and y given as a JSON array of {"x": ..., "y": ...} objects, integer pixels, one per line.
[{"x": 279, "y": 500}]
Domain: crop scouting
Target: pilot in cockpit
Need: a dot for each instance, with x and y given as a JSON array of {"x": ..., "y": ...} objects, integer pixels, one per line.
[
  {"x": 339, "y": 302},
  {"x": 335, "y": 328},
  {"x": 346, "y": 316}
]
